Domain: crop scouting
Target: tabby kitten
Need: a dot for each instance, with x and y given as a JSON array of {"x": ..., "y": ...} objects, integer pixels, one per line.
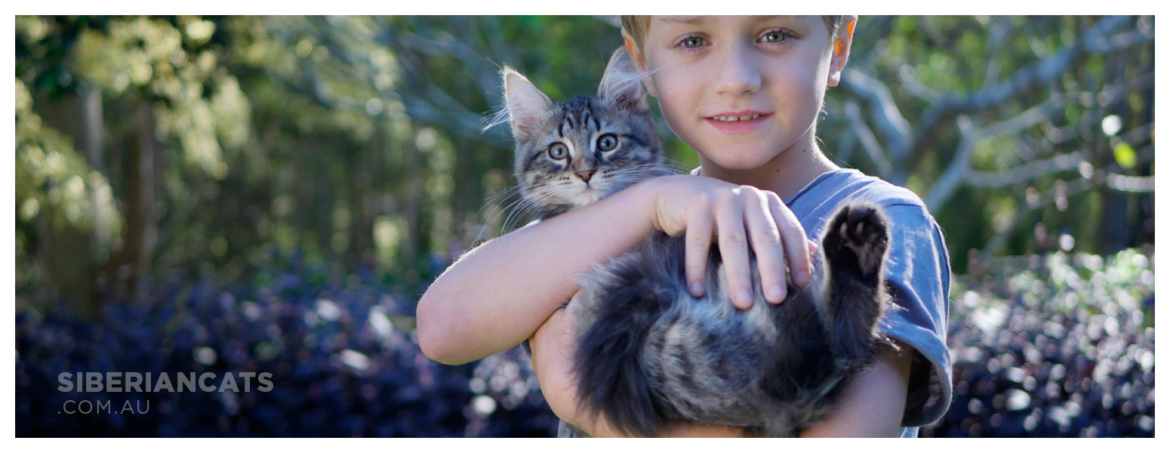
[{"x": 647, "y": 350}]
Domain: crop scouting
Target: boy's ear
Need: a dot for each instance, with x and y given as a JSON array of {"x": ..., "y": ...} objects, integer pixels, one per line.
[
  {"x": 841, "y": 47},
  {"x": 639, "y": 61},
  {"x": 526, "y": 105},
  {"x": 622, "y": 82}
]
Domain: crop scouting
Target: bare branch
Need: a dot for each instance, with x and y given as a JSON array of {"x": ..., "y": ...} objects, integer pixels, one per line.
[
  {"x": 1064, "y": 189},
  {"x": 958, "y": 171},
  {"x": 952, "y": 177},
  {"x": 915, "y": 87},
  {"x": 1024, "y": 120},
  {"x": 1024, "y": 173},
  {"x": 883, "y": 112},
  {"x": 441, "y": 43},
  {"x": 1130, "y": 183},
  {"x": 999, "y": 32},
  {"x": 1037, "y": 74},
  {"x": 868, "y": 141},
  {"x": 1107, "y": 97},
  {"x": 1111, "y": 44}
]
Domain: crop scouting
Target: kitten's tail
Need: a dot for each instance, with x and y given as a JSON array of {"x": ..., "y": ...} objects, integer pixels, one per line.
[
  {"x": 613, "y": 378},
  {"x": 612, "y": 381}
]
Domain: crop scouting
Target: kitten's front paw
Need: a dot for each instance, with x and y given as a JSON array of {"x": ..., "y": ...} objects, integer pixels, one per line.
[{"x": 859, "y": 233}]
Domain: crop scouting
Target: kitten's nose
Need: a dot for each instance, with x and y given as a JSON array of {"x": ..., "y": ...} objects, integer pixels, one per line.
[{"x": 586, "y": 174}]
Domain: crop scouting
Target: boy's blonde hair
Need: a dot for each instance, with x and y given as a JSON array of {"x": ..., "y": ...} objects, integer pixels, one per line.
[{"x": 637, "y": 26}]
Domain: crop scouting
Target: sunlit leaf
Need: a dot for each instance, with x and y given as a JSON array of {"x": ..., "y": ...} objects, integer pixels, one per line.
[{"x": 1124, "y": 154}]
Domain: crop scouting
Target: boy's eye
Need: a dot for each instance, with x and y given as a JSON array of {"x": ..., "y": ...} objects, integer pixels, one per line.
[
  {"x": 774, "y": 36},
  {"x": 607, "y": 142},
  {"x": 693, "y": 42},
  {"x": 558, "y": 151}
]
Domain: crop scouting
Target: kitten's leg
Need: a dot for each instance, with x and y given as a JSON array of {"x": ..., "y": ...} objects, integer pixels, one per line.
[{"x": 855, "y": 244}]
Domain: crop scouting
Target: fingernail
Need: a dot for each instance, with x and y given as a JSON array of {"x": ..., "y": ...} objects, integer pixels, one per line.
[
  {"x": 801, "y": 278},
  {"x": 776, "y": 293},
  {"x": 696, "y": 289},
  {"x": 745, "y": 298}
]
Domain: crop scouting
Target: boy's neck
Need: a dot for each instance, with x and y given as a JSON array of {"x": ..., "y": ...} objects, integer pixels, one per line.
[{"x": 786, "y": 174}]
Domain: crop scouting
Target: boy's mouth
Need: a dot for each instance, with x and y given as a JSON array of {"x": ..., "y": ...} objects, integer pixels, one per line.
[{"x": 737, "y": 122}]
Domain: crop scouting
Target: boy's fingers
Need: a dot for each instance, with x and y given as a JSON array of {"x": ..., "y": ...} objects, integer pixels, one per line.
[
  {"x": 698, "y": 246},
  {"x": 769, "y": 253},
  {"x": 733, "y": 248},
  {"x": 794, "y": 239}
]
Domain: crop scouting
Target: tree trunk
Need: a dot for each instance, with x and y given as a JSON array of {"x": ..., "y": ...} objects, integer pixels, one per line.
[
  {"x": 141, "y": 230},
  {"x": 94, "y": 131}
]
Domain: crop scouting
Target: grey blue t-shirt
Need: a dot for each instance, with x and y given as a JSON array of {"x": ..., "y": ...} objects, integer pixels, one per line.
[{"x": 918, "y": 273}]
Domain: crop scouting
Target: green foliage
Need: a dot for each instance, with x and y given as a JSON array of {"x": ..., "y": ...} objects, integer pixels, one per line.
[
  {"x": 54, "y": 182},
  {"x": 166, "y": 61}
]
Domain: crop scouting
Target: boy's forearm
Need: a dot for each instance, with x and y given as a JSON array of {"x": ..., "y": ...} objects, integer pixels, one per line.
[
  {"x": 496, "y": 296},
  {"x": 873, "y": 401},
  {"x": 552, "y": 355}
]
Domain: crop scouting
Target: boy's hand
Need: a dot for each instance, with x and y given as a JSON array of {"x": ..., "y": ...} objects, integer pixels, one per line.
[{"x": 741, "y": 217}]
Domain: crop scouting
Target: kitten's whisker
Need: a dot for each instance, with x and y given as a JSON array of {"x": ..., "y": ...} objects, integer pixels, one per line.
[
  {"x": 493, "y": 202},
  {"x": 495, "y": 214},
  {"x": 536, "y": 197}
]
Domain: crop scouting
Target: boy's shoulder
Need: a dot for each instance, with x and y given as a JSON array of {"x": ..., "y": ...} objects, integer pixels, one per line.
[
  {"x": 847, "y": 184},
  {"x": 820, "y": 199},
  {"x": 851, "y": 185}
]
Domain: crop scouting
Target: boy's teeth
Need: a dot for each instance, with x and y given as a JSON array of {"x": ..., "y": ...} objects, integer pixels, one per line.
[{"x": 737, "y": 118}]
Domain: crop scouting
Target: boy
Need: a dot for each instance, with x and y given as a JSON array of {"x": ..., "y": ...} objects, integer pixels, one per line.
[{"x": 745, "y": 93}]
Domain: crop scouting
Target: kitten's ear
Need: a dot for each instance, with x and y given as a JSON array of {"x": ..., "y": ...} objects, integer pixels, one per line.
[
  {"x": 526, "y": 105},
  {"x": 622, "y": 82}
]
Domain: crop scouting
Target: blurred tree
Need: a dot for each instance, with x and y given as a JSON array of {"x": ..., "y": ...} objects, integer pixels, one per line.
[
  {"x": 171, "y": 103},
  {"x": 1015, "y": 116},
  {"x": 227, "y": 143}
]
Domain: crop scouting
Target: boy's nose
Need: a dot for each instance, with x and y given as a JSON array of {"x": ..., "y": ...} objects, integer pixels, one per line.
[{"x": 738, "y": 73}]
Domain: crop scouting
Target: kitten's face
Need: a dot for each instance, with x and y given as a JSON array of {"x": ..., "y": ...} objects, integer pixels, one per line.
[{"x": 573, "y": 153}]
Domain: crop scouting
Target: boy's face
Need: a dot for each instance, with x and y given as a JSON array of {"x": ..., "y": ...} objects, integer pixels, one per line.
[{"x": 740, "y": 89}]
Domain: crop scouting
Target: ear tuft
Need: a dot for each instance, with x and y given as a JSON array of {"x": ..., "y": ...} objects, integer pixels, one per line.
[
  {"x": 622, "y": 82},
  {"x": 525, "y": 106}
]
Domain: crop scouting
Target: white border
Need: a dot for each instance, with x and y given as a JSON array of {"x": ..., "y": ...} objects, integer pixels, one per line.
[{"x": 7, "y": 237}]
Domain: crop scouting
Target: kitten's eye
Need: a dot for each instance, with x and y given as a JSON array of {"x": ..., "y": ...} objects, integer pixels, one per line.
[
  {"x": 607, "y": 142},
  {"x": 558, "y": 151}
]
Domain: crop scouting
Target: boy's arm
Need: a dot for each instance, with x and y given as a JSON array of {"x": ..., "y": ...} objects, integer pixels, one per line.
[
  {"x": 495, "y": 296},
  {"x": 873, "y": 403},
  {"x": 552, "y": 361}
]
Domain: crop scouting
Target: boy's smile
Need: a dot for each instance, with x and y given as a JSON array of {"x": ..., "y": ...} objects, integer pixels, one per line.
[
  {"x": 744, "y": 91},
  {"x": 738, "y": 122}
]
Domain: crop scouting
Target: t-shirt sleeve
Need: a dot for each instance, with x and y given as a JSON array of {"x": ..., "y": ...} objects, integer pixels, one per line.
[{"x": 918, "y": 278}]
